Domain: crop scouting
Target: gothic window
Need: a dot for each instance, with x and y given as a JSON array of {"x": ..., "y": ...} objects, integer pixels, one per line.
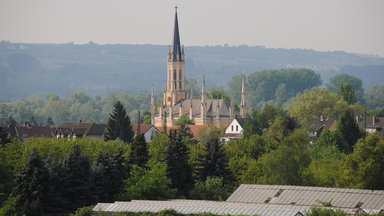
[{"x": 174, "y": 74}]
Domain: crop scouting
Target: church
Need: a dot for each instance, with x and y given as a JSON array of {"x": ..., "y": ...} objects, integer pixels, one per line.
[{"x": 176, "y": 101}]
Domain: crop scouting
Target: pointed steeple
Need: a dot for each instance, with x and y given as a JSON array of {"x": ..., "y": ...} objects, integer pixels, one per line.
[
  {"x": 243, "y": 105},
  {"x": 153, "y": 108},
  {"x": 191, "y": 107},
  {"x": 203, "y": 101},
  {"x": 176, "y": 47}
]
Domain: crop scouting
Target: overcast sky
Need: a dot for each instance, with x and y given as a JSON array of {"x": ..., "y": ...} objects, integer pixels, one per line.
[{"x": 350, "y": 25}]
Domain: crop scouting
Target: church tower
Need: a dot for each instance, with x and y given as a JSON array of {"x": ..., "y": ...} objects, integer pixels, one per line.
[{"x": 175, "y": 87}]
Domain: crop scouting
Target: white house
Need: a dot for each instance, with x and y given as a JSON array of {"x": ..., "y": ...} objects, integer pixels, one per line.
[
  {"x": 147, "y": 129},
  {"x": 234, "y": 129}
]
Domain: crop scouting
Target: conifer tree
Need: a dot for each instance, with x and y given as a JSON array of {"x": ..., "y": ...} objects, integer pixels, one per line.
[
  {"x": 49, "y": 121},
  {"x": 139, "y": 151},
  {"x": 3, "y": 136},
  {"x": 103, "y": 177},
  {"x": 76, "y": 184},
  {"x": 119, "y": 125},
  {"x": 176, "y": 157},
  {"x": 32, "y": 186},
  {"x": 214, "y": 162},
  {"x": 349, "y": 129}
]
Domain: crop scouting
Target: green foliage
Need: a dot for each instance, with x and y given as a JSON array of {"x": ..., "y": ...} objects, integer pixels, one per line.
[
  {"x": 157, "y": 147},
  {"x": 276, "y": 86},
  {"x": 356, "y": 84},
  {"x": 219, "y": 93},
  {"x": 213, "y": 161},
  {"x": 84, "y": 211},
  {"x": 152, "y": 184},
  {"x": 286, "y": 165},
  {"x": 333, "y": 138},
  {"x": 76, "y": 180},
  {"x": 108, "y": 176},
  {"x": 212, "y": 188},
  {"x": 365, "y": 166},
  {"x": 374, "y": 96},
  {"x": 312, "y": 103},
  {"x": 10, "y": 207},
  {"x": 78, "y": 106},
  {"x": 139, "y": 151},
  {"x": 146, "y": 118},
  {"x": 3, "y": 136},
  {"x": 32, "y": 186},
  {"x": 349, "y": 129},
  {"x": 256, "y": 122},
  {"x": 347, "y": 92},
  {"x": 325, "y": 212},
  {"x": 327, "y": 162},
  {"x": 176, "y": 158},
  {"x": 183, "y": 120},
  {"x": 119, "y": 125}
]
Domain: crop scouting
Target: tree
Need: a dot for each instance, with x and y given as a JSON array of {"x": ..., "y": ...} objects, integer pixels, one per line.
[
  {"x": 144, "y": 184},
  {"x": 139, "y": 151},
  {"x": 213, "y": 161},
  {"x": 32, "y": 120},
  {"x": 32, "y": 186},
  {"x": 183, "y": 120},
  {"x": 146, "y": 118},
  {"x": 252, "y": 124},
  {"x": 4, "y": 139},
  {"x": 276, "y": 86},
  {"x": 312, "y": 103},
  {"x": 76, "y": 180},
  {"x": 212, "y": 188},
  {"x": 50, "y": 122},
  {"x": 119, "y": 125},
  {"x": 176, "y": 157},
  {"x": 332, "y": 138},
  {"x": 356, "y": 84},
  {"x": 11, "y": 121},
  {"x": 374, "y": 96},
  {"x": 347, "y": 92},
  {"x": 287, "y": 164},
  {"x": 365, "y": 166},
  {"x": 219, "y": 93},
  {"x": 349, "y": 129}
]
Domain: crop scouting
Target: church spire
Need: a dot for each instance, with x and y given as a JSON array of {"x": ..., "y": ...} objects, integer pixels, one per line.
[
  {"x": 243, "y": 105},
  {"x": 176, "y": 47}
]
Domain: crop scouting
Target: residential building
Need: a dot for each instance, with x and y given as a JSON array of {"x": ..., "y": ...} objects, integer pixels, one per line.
[
  {"x": 234, "y": 129},
  {"x": 27, "y": 130},
  {"x": 147, "y": 129},
  {"x": 80, "y": 129}
]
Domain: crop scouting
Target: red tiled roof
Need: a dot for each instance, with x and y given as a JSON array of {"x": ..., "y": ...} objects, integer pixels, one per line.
[
  {"x": 24, "y": 133},
  {"x": 143, "y": 128}
]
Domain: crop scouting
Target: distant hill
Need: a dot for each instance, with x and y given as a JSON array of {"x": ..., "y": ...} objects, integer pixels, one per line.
[{"x": 27, "y": 69}]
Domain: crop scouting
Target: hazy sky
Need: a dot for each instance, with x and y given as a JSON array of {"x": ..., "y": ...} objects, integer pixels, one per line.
[{"x": 327, "y": 25}]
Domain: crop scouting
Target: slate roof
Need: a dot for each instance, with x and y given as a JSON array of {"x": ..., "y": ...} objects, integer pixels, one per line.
[
  {"x": 24, "y": 133},
  {"x": 326, "y": 123},
  {"x": 196, "y": 108},
  {"x": 378, "y": 125},
  {"x": 216, "y": 207},
  {"x": 308, "y": 196},
  {"x": 84, "y": 128},
  {"x": 264, "y": 200}
]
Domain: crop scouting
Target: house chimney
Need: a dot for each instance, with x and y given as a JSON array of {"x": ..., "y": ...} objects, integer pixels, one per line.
[{"x": 373, "y": 120}]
